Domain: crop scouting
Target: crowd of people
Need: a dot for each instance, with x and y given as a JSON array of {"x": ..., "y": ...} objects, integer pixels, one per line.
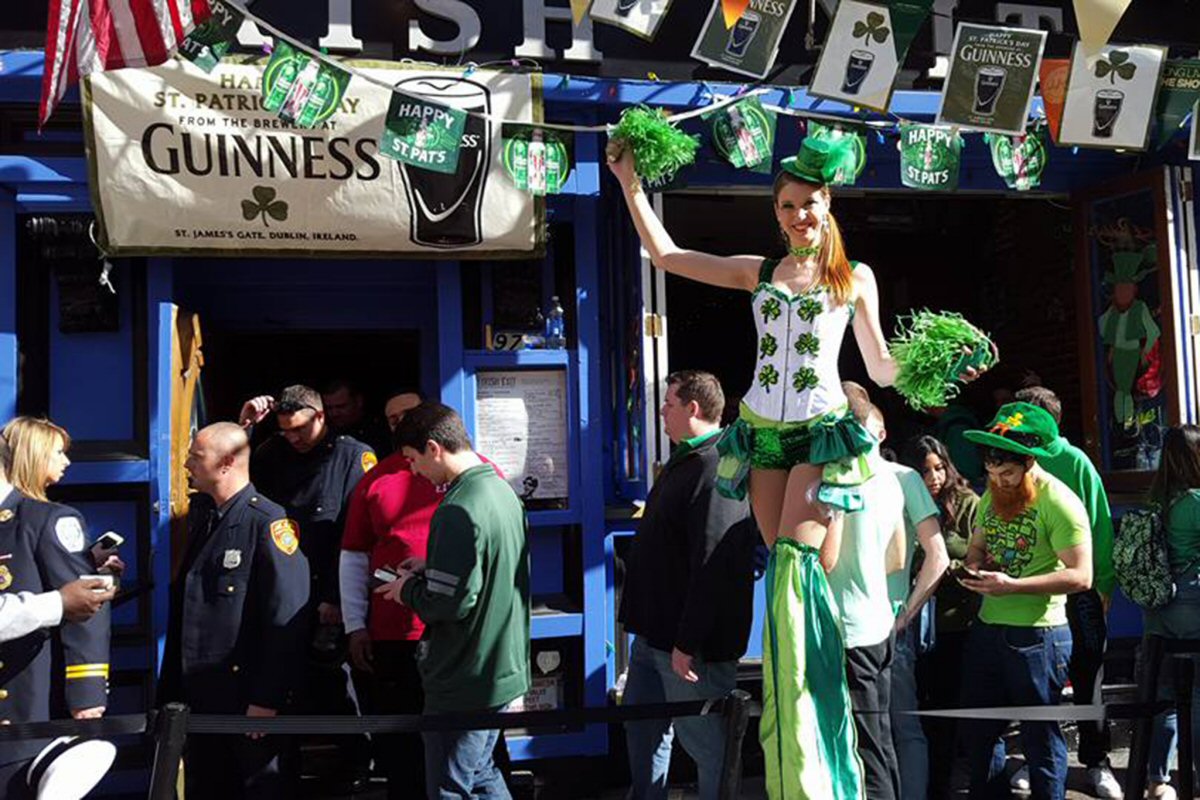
[{"x": 891, "y": 584}]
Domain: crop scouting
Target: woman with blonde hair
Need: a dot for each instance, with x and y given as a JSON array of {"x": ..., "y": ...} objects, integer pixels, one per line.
[{"x": 39, "y": 455}]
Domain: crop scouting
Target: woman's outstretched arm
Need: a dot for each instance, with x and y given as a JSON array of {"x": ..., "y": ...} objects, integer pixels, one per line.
[
  {"x": 731, "y": 272},
  {"x": 867, "y": 331}
]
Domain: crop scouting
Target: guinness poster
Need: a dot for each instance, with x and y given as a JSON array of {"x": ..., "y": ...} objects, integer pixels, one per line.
[
  {"x": 992, "y": 75},
  {"x": 1111, "y": 96},
  {"x": 183, "y": 162},
  {"x": 750, "y": 46}
]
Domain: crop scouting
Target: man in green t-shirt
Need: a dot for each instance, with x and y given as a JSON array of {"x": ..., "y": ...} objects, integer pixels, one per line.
[
  {"x": 472, "y": 592},
  {"x": 1030, "y": 549},
  {"x": 1085, "y": 610}
]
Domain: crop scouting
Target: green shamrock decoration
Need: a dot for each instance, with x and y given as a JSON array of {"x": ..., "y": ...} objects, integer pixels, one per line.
[
  {"x": 805, "y": 378},
  {"x": 1117, "y": 65},
  {"x": 768, "y": 346},
  {"x": 871, "y": 28},
  {"x": 808, "y": 307},
  {"x": 265, "y": 205},
  {"x": 807, "y": 344},
  {"x": 768, "y": 376},
  {"x": 770, "y": 309}
]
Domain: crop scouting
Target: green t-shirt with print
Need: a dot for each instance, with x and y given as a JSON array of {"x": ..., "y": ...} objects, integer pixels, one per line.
[{"x": 1028, "y": 545}]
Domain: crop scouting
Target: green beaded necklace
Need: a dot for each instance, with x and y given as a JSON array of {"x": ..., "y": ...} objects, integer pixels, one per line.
[{"x": 803, "y": 252}]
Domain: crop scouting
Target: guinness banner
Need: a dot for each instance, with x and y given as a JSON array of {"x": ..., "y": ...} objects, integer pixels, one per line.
[{"x": 183, "y": 162}]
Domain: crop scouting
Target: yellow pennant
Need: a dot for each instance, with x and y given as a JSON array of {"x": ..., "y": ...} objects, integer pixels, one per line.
[
  {"x": 732, "y": 10},
  {"x": 579, "y": 8},
  {"x": 1097, "y": 19}
]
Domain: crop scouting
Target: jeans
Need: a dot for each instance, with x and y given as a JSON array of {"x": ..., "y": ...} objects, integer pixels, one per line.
[
  {"x": 1007, "y": 665},
  {"x": 1179, "y": 619},
  {"x": 1089, "y": 634},
  {"x": 651, "y": 680},
  {"x": 908, "y": 736},
  {"x": 459, "y": 764}
]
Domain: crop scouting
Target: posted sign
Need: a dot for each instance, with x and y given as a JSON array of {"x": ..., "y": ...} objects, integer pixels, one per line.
[
  {"x": 193, "y": 163},
  {"x": 991, "y": 79}
]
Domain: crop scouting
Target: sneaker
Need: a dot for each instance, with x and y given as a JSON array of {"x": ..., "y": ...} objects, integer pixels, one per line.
[
  {"x": 1103, "y": 784},
  {"x": 1020, "y": 779},
  {"x": 1161, "y": 791}
]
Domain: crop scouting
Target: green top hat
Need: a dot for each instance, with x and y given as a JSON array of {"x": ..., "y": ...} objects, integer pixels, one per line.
[
  {"x": 1017, "y": 418},
  {"x": 1126, "y": 265},
  {"x": 822, "y": 160}
]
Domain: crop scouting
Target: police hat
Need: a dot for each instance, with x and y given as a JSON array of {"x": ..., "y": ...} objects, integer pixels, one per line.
[{"x": 69, "y": 767}]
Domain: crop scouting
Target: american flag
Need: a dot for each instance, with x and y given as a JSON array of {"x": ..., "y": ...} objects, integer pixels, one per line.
[{"x": 86, "y": 36}]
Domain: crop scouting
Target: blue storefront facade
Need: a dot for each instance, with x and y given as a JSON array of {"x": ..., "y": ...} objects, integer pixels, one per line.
[{"x": 207, "y": 327}]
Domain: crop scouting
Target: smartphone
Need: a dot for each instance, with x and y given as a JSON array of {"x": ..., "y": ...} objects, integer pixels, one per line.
[
  {"x": 382, "y": 576},
  {"x": 962, "y": 572},
  {"x": 111, "y": 540},
  {"x": 108, "y": 581}
]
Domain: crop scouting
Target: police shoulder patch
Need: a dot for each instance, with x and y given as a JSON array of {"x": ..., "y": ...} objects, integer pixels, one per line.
[
  {"x": 368, "y": 460},
  {"x": 70, "y": 534},
  {"x": 6, "y": 578},
  {"x": 285, "y": 533}
]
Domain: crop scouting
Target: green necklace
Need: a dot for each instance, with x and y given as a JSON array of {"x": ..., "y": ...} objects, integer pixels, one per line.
[{"x": 803, "y": 252}]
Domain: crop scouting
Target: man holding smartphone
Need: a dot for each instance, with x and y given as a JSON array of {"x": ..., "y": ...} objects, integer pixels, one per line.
[{"x": 1030, "y": 549}]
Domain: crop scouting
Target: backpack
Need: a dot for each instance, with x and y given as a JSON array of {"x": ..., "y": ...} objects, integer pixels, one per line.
[{"x": 1141, "y": 561}]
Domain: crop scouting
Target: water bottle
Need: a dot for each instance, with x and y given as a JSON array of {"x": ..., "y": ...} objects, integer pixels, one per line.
[{"x": 555, "y": 326}]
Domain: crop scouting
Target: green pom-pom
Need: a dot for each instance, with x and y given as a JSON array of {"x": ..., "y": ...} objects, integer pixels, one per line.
[
  {"x": 659, "y": 148},
  {"x": 929, "y": 351}
]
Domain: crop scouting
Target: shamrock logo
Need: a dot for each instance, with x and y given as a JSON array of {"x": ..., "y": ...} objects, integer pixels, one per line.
[
  {"x": 768, "y": 376},
  {"x": 770, "y": 309},
  {"x": 808, "y": 308},
  {"x": 265, "y": 205},
  {"x": 768, "y": 346},
  {"x": 807, "y": 344},
  {"x": 805, "y": 378},
  {"x": 1117, "y": 65},
  {"x": 871, "y": 28}
]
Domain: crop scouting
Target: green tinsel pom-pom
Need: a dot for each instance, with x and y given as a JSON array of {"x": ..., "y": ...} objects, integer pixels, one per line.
[
  {"x": 929, "y": 351},
  {"x": 659, "y": 148}
]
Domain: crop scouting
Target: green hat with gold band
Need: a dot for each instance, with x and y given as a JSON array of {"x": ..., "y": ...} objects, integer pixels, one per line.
[
  {"x": 823, "y": 160},
  {"x": 1018, "y": 428}
]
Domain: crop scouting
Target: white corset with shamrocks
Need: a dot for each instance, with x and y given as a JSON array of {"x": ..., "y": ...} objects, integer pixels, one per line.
[{"x": 799, "y": 339}]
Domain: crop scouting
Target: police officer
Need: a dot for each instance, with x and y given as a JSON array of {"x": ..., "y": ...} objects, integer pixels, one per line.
[
  {"x": 311, "y": 472},
  {"x": 43, "y": 548},
  {"x": 238, "y": 623},
  {"x": 346, "y": 412}
]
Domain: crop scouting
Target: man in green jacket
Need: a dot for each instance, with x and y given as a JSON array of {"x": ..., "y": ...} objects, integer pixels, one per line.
[
  {"x": 1085, "y": 610},
  {"x": 472, "y": 592}
]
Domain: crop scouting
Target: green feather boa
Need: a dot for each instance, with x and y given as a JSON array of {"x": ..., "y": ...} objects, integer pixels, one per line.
[
  {"x": 929, "y": 351},
  {"x": 659, "y": 148}
]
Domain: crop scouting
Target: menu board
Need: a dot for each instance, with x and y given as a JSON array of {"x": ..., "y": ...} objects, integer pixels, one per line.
[{"x": 521, "y": 425}]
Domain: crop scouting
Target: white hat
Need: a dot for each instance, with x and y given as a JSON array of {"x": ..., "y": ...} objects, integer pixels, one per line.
[{"x": 69, "y": 767}]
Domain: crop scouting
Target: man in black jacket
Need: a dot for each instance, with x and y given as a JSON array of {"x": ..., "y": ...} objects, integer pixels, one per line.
[{"x": 688, "y": 592}]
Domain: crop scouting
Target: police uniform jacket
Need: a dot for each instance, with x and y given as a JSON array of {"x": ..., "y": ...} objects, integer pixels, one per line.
[
  {"x": 315, "y": 489},
  {"x": 238, "y": 624},
  {"x": 50, "y": 671}
]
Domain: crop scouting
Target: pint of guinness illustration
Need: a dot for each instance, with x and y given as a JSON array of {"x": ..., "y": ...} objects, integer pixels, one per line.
[
  {"x": 856, "y": 70},
  {"x": 989, "y": 83},
  {"x": 741, "y": 34},
  {"x": 446, "y": 210},
  {"x": 625, "y": 6},
  {"x": 1105, "y": 112}
]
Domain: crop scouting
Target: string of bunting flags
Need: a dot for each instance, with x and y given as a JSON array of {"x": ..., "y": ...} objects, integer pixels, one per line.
[{"x": 1105, "y": 96}]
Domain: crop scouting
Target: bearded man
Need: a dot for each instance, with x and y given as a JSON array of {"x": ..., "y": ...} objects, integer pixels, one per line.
[{"x": 1031, "y": 548}]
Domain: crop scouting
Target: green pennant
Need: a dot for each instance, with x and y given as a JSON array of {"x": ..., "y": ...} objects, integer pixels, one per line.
[
  {"x": 817, "y": 130},
  {"x": 907, "y": 18},
  {"x": 537, "y": 159},
  {"x": 302, "y": 89},
  {"x": 929, "y": 156},
  {"x": 1178, "y": 92},
  {"x": 1019, "y": 160},
  {"x": 207, "y": 45},
  {"x": 425, "y": 135},
  {"x": 744, "y": 133}
]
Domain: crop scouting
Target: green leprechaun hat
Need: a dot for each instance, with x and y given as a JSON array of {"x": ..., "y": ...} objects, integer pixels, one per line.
[
  {"x": 823, "y": 160},
  {"x": 1125, "y": 268},
  {"x": 1018, "y": 428}
]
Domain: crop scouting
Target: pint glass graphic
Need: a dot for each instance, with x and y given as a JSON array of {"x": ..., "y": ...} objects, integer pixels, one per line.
[
  {"x": 856, "y": 70},
  {"x": 446, "y": 210},
  {"x": 1105, "y": 112},
  {"x": 625, "y": 6},
  {"x": 989, "y": 83},
  {"x": 741, "y": 34}
]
